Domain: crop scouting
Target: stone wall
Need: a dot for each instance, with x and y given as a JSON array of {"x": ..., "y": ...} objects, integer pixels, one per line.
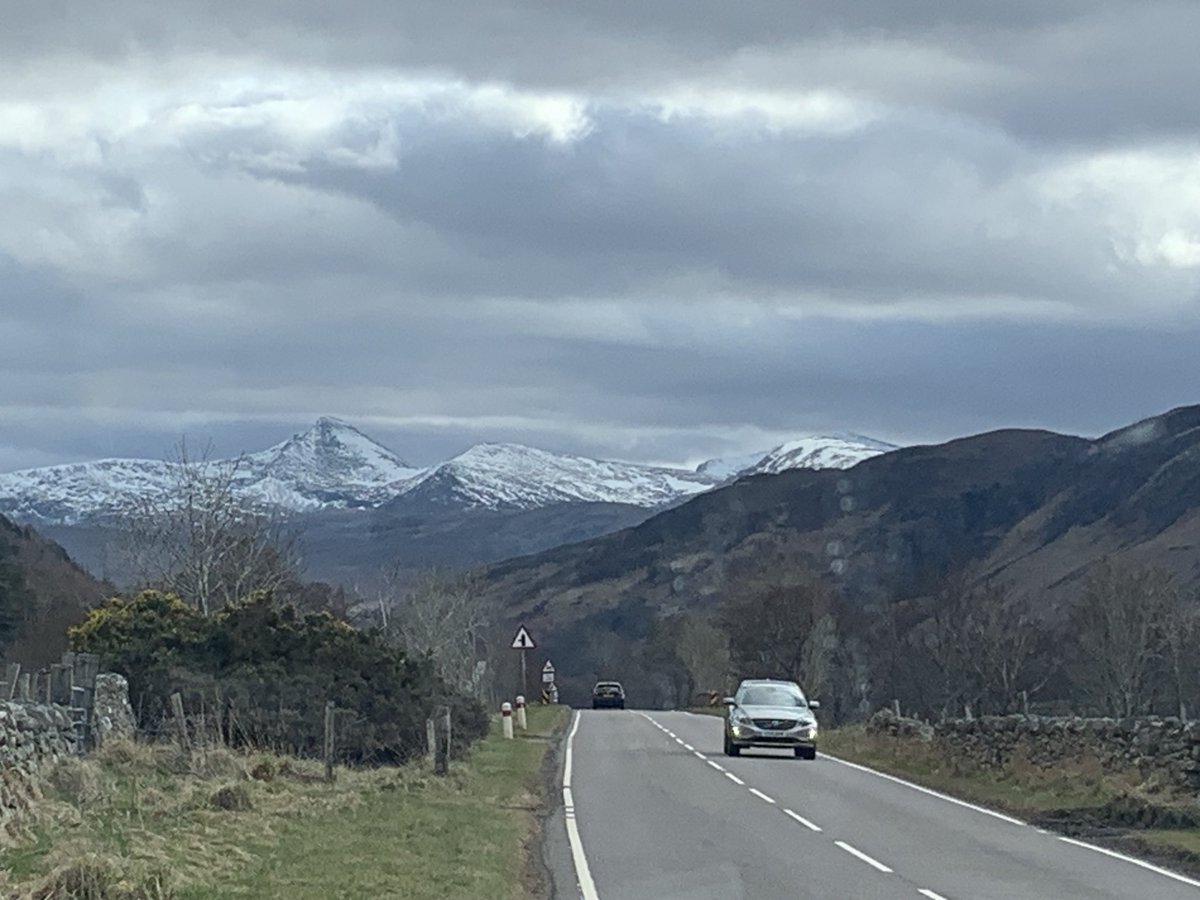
[
  {"x": 1167, "y": 750},
  {"x": 32, "y": 736}
]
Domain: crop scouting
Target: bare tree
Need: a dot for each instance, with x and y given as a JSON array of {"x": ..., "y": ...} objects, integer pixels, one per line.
[
  {"x": 1181, "y": 640},
  {"x": 204, "y": 540},
  {"x": 442, "y": 615},
  {"x": 785, "y": 631},
  {"x": 1118, "y": 621},
  {"x": 704, "y": 651},
  {"x": 986, "y": 645}
]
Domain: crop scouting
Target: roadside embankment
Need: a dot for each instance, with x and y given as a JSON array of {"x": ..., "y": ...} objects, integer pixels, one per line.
[{"x": 141, "y": 822}]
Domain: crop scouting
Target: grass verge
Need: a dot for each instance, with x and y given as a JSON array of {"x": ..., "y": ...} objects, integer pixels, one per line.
[{"x": 138, "y": 823}]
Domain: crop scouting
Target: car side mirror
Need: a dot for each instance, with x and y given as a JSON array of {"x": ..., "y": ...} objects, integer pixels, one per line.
[
  {"x": 814, "y": 704},
  {"x": 729, "y": 701}
]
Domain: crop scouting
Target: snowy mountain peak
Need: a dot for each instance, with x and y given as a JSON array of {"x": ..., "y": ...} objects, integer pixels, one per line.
[
  {"x": 817, "y": 451},
  {"x": 333, "y": 465},
  {"x": 513, "y": 476}
]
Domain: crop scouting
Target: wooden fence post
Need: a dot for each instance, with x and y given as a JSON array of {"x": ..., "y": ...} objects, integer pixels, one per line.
[
  {"x": 24, "y": 693},
  {"x": 11, "y": 675},
  {"x": 430, "y": 740},
  {"x": 330, "y": 717},
  {"x": 441, "y": 759},
  {"x": 181, "y": 729}
]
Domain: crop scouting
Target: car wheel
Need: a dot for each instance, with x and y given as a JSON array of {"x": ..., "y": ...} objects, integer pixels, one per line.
[
  {"x": 621, "y": 705},
  {"x": 595, "y": 705},
  {"x": 806, "y": 752},
  {"x": 731, "y": 749}
]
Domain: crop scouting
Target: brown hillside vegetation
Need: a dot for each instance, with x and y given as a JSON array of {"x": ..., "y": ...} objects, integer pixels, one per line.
[
  {"x": 1033, "y": 509},
  {"x": 43, "y": 592}
]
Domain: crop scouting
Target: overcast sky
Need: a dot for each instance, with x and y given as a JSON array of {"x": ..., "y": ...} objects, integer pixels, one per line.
[{"x": 652, "y": 231}]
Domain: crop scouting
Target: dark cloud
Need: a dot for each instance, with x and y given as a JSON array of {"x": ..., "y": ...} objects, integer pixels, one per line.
[{"x": 652, "y": 231}]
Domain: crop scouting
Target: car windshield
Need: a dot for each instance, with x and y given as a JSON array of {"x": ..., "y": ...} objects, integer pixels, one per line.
[{"x": 772, "y": 695}]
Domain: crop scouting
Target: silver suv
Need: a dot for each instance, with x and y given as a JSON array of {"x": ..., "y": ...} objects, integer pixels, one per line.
[{"x": 769, "y": 713}]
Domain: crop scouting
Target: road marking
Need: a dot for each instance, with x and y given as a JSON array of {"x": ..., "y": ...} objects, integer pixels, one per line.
[
  {"x": 679, "y": 741},
  {"x": 870, "y": 862},
  {"x": 932, "y": 793},
  {"x": 700, "y": 755},
  {"x": 583, "y": 874},
  {"x": 570, "y": 746},
  {"x": 760, "y": 795},
  {"x": 735, "y": 779},
  {"x": 715, "y": 766},
  {"x": 689, "y": 748},
  {"x": 926, "y": 892},
  {"x": 811, "y": 826},
  {"x": 1137, "y": 862}
]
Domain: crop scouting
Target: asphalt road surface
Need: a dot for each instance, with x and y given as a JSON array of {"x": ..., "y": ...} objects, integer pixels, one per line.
[{"x": 652, "y": 810}]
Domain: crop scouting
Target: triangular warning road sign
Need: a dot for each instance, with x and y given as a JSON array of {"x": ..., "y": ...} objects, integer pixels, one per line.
[
  {"x": 548, "y": 667},
  {"x": 523, "y": 641}
]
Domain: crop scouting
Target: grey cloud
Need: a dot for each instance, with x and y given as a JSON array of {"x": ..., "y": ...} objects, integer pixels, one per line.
[{"x": 1079, "y": 70}]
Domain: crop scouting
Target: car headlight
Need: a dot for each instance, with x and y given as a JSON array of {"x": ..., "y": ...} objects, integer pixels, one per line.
[{"x": 739, "y": 718}]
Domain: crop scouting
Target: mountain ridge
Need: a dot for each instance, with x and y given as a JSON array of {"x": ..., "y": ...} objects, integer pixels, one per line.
[{"x": 334, "y": 465}]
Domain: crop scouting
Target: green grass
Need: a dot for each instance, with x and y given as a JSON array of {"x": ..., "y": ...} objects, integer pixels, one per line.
[
  {"x": 1181, "y": 839},
  {"x": 394, "y": 832}
]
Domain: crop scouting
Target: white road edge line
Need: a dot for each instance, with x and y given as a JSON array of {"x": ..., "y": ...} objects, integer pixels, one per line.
[
  {"x": 1130, "y": 859},
  {"x": 932, "y": 793},
  {"x": 811, "y": 826},
  {"x": 761, "y": 796},
  {"x": 735, "y": 779},
  {"x": 583, "y": 874},
  {"x": 932, "y": 895},
  {"x": 870, "y": 862}
]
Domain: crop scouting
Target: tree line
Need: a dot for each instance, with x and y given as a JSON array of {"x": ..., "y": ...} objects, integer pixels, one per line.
[{"x": 1127, "y": 644}]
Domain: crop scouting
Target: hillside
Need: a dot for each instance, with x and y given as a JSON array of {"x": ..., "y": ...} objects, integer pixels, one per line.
[
  {"x": 42, "y": 591},
  {"x": 1032, "y": 507}
]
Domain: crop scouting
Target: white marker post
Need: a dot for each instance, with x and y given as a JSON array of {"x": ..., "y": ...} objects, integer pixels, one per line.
[
  {"x": 506, "y": 720},
  {"x": 522, "y": 721}
]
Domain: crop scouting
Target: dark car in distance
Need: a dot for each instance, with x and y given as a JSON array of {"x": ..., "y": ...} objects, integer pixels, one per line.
[{"x": 608, "y": 695}]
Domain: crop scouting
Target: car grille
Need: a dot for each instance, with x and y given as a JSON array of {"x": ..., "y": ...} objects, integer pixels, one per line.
[{"x": 775, "y": 724}]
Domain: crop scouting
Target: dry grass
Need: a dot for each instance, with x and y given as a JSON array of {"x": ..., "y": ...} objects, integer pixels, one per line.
[
  {"x": 1078, "y": 792},
  {"x": 137, "y": 822}
]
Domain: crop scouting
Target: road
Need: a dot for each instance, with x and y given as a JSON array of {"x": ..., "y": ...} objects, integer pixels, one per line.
[{"x": 652, "y": 810}]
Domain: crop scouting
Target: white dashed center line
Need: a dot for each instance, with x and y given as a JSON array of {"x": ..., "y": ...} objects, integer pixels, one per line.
[
  {"x": 932, "y": 895},
  {"x": 760, "y": 795},
  {"x": 689, "y": 748},
  {"x": 860, "y": 855},
  {"x": 803, "y": 821},
  {"x": 715, "y": 766},
  {"x": 734, "y": 779},
  {"x": 700, "y": 755}
]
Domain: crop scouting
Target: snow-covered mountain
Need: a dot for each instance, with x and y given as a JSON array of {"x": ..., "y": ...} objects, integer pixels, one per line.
[
  {"x": 335, "y": 466},
  {"x": 824, "y": 451},
  {"x": 332, "y": 465},
  {"x": 512, "y": 476}
]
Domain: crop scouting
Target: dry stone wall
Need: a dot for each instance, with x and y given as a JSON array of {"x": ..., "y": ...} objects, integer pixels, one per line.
[
  {"x": 32, "y": 736},
  {"x": 1167, "y": 750}
]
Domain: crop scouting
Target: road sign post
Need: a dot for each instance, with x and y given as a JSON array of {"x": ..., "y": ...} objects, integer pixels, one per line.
[{"x": 523, "y": 641}]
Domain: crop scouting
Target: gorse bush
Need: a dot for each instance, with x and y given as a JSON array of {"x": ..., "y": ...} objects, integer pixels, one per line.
[{"x": 261, "y": 674}]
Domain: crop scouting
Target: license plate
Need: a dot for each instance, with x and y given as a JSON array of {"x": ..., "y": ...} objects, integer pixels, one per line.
[{"x": 777, "y": 734}]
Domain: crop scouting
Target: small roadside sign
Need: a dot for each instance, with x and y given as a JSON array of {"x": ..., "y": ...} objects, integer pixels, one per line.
[
  {"x": 548, "y": 673},
  {"x": 523, "y": 641}
]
